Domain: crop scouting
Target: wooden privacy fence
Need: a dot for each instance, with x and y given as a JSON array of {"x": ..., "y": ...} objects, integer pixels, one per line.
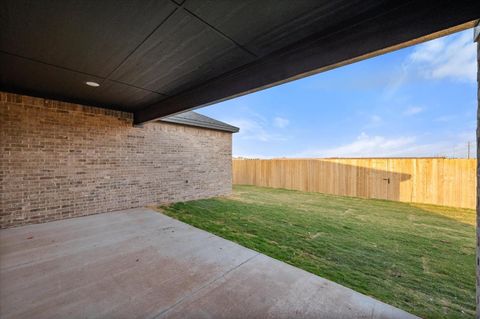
[{"x": 440, "y": 181}]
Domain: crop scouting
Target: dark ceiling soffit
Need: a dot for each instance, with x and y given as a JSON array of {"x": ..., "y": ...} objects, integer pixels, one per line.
[
  {"x": 219, "y": 32},
  {"x": 407, "y": 25}
]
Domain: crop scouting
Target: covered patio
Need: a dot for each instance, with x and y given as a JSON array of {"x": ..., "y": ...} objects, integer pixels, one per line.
[
  {"x": 139, "y": 263},
  {"x": 83, "y": 86}
]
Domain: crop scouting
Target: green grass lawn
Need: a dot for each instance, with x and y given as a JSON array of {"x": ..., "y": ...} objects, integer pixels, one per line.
[{"x": 420, "y": 258}]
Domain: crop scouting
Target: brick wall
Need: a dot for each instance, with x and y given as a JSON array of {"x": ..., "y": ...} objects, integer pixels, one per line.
[{"x": 60, "y": 160}]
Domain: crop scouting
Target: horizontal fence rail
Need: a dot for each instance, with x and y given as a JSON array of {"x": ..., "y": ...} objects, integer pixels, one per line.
[{"x": 440, "y": 181}]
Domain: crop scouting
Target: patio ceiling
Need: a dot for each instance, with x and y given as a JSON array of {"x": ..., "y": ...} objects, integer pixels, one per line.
[{"x": 159, "y": 57}]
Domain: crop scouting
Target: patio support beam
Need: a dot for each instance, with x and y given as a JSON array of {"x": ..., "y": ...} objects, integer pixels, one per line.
[
  {"x": 408, "y": 24},
  {"x": 477, "y": 39}
]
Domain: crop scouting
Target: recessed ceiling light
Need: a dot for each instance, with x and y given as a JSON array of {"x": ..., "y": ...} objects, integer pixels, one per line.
[{"x": 94, "y": 84}]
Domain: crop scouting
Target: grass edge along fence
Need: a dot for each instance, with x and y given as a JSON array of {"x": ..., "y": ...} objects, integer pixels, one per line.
[{"x": 438, "y": 181}]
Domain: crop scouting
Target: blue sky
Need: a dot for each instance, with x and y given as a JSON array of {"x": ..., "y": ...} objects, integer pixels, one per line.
[{"x": 418, "y": 101}]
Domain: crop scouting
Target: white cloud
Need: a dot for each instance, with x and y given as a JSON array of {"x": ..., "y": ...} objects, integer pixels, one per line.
[
  {"x": 451, "y": 57},
  {"x": 365, "y": 145},
  {"x": 280, "y": 122},
  {"x": 413, "y": 110},
  {"x": 400, "y": 76},
  {"x": 380, "y": 146},
  {"x": 444, "y": 118},
  {"x": 375, "y": 119},
  {"x": 254, "y": 127}
]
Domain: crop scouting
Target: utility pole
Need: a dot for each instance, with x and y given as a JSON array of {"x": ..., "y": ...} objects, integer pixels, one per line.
[{"x": 468, "y": 148}]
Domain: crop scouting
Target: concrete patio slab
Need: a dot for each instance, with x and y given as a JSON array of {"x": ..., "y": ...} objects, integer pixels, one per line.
[{"x": 139, "y": 263}]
